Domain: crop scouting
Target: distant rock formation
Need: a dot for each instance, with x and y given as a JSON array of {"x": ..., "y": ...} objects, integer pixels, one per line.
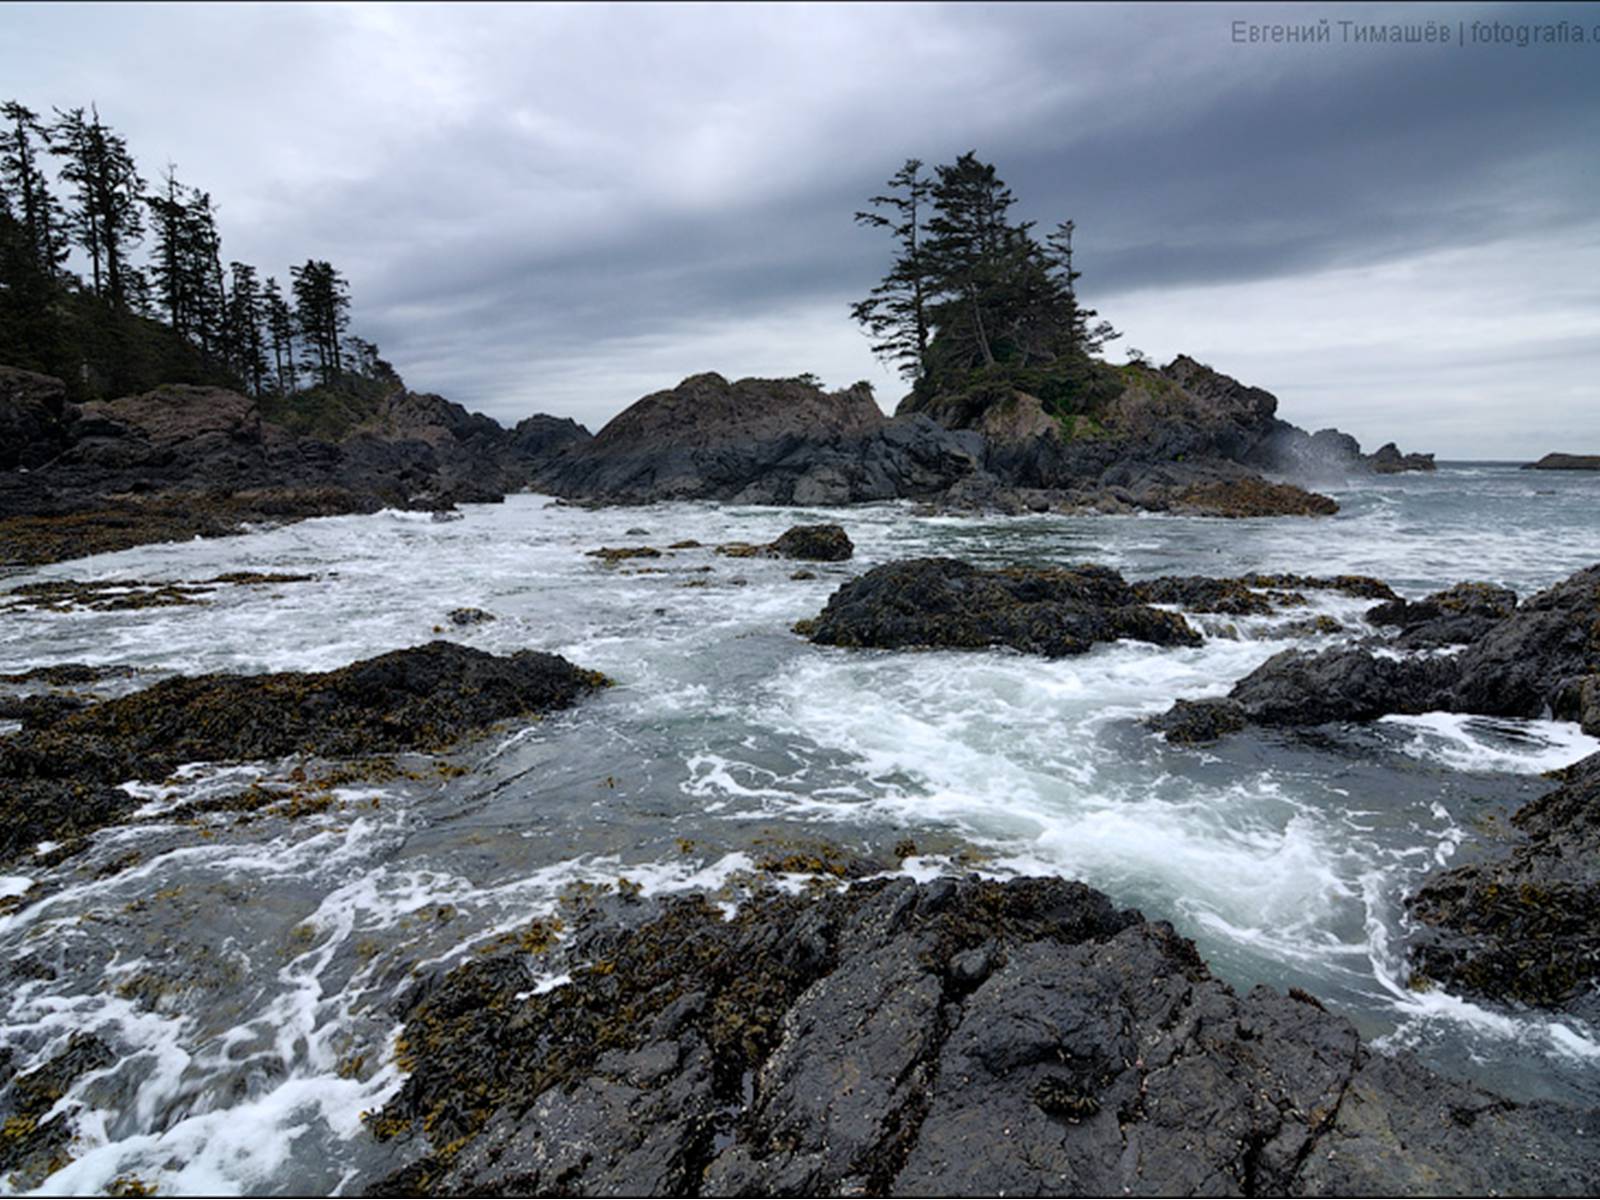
[
  {"x": 1565, "y": 462},
  {"x": 760, "y": 441},
  {"x": 182, "y": 461}
]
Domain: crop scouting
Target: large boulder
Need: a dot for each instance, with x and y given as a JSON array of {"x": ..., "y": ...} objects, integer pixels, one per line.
[
  {"x": 1540, "y": 657},
  {"x": 943, "y": 602},
  {"x": 33, "y": 418},
  {"x": 1556, "y": 461},
  {"x": 1523, "y": 926},
  {"x": 59, "y": 780},
  {"x": 760, "y": 441},
  {"x": 538, "y": 438},
  {"x": 962, "y": 1037}
]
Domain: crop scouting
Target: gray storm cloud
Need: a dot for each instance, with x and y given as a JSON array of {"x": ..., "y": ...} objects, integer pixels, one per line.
[{"x": 559, "y": 209}]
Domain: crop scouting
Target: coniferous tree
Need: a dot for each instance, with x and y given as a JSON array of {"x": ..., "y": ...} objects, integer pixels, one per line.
[
  {"x": 322, "y": 307},
  {"x": 974, "y": 304},
  {"x": 202, "y": 282},
  {"x": 106, "y": 219},
  {"x": 245, "y": 314},
  {"x": 169, "y": 267},
  {"x": 40, "y": 219},
  {"x": 280, "y": 328},
  {"x": 896, "y": 311},
  {"x": 1088, "y": 335}
]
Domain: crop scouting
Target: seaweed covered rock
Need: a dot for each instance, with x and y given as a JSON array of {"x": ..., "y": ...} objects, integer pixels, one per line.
[
  {"x": 60, "y": 779},
  {"x": 34, "y": 1139},
  {"x": 1255, "y": 594},
  {"x": 1524, "y": 927},
  {"x": 943, "y": 602},
  {"x": 1296, "y": 687},
  {"x": 814, "y": 543},
  {"x": 1542, "y": 656},
  {"x": 873, "y": 1042},
  {"x": 1253, "y": 497},
  {"x": 1455, "y": 616},
  {"x": 1521, "y": 665}
]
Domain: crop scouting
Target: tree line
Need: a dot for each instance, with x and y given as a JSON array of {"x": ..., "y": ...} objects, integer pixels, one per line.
[
  {"x": 181, "y": 315},
  {"x": 973, "y": 300}
]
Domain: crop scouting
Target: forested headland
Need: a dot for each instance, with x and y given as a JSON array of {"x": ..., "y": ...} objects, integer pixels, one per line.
[{"x": 116, "y": 284}]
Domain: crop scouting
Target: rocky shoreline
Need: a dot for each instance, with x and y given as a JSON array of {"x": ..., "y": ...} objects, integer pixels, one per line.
[
  {"x": 824, "y": 1038},
  {"x": 185, "y": 461},
  {"x": 960, "y": 1037},
  {"x": 870, "y": 1039}
]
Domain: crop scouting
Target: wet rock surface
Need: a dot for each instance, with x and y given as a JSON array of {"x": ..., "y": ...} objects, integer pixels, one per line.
[
  {"x": 59, "y": 776},
  {"x": 814, "y": 543},
  {"x": 1457, "y": 615},
  {"x": 760, "y": 441},
  {"x": 1556, "y": 461},
  {"x": 959, "y": 1037},
  {"x": 1524, "y": 926},
  {"x": 34, "y": 1141},
  {"x": 182, "y": 461},
  {"x": 1253, "y": 498},
  {"x": 1253, "y": 595},
  {"x": 1542, "y": 656},
  {"x": 110, "y": 595},
  {"x": 943, "y": 602}
]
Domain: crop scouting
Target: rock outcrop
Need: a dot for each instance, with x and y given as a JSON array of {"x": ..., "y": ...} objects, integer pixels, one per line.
[
  {"x": 1523, "y": 926},
  {"x": 760, "y": 441},
  {"x": 943, "y": 602},
  {"x": 1565, "y": 462},
  {"x": 184, "y": 461},
  {"x": 960, "y": 1037},
  {"x": 59, "y": 777},
  {"x": 1542, "y": 656}
]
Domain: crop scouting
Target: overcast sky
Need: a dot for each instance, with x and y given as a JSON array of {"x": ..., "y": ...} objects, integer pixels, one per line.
[{"x": 560, "y": 209}]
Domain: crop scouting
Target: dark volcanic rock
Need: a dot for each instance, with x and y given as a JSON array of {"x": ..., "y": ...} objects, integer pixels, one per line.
[
  {"x": 1253, "y": 498},
  {"x": 1248, "y": 595},
  {"x": 1456, "y": 616},
  {"x": 539, "y": 438},
  {"x": 182, "y": 461},
  {"x": 953, "y": 1038},
  {"x": 1542, "y": 656},
  {"x": 1300, "y": 688},
  {"x": 1565, "y": 462},
  {"x": 1194, "y": 722},
  {"x": 1522, "y": 665},
  {"x": 1387, "y": 460},
  {"x": 1526, "y": 926},
  {"x": 33, "y": 418},
  {"x": 814, "y": 543},
  {"x": 760, "y": 441},
  {"x": 59, "y": 781},
  {"x": 942, "y": 602}
]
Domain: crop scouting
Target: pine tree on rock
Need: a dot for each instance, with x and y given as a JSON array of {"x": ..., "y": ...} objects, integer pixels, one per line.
[
  {"x": 896, "y": 311},
  {"x": 280, "y": 329},
  {"x": 107, "y": 220},
  {"x": 40, "y": 219},
  {"x": 322, "y": 310}
]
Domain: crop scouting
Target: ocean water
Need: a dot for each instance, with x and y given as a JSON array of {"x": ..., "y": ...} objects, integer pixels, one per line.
[{"x": 246, "y": 975}]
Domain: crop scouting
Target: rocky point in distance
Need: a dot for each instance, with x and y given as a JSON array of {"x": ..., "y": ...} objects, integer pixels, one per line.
[{"x": 185, "y": 460}]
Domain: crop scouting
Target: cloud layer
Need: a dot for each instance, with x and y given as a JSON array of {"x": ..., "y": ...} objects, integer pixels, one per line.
[{"x": 561, "y": 208}]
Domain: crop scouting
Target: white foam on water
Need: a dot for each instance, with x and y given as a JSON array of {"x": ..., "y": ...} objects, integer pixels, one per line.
[
  {"x": 1465, "y": 742},
  {"x": 1030, "y": 760}
]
